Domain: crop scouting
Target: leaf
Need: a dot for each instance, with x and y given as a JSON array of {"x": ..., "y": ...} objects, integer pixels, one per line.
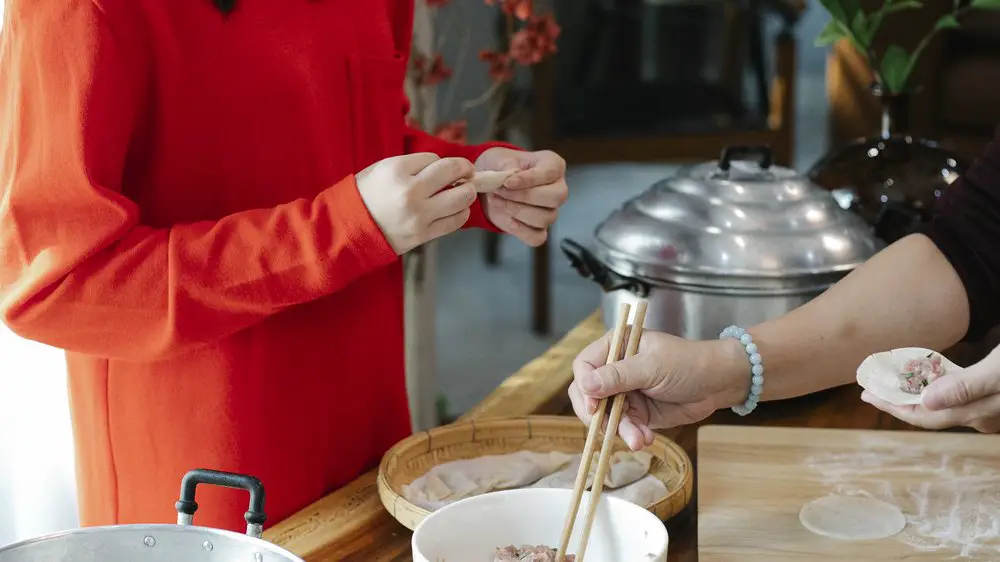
[
  {"x": 902, "y": 6},
  {"x": 947, "y": 21},
  {"x": 836, "y": 10},
  {"x": 860, "y": 27},
  {"x": 852, "y": 8},
  {"x": 830, "y": 34},
  {"x": 985, "y": 5},
  {"x": 895, "y": 68}
]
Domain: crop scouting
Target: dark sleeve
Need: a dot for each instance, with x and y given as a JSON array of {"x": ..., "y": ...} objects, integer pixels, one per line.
[{"x": 966, "y": 228}]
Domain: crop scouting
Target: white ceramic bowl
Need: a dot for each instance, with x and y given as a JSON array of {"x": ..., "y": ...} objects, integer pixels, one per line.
[{"x": 470, "y": 530}]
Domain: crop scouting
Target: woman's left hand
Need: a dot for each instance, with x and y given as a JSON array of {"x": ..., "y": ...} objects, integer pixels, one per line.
[
  {"x": 970, "y": 398},
  {"x": 528, "y": 202}
]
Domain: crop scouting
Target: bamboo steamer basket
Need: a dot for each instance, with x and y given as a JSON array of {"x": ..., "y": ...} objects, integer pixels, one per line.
[{"x": 416, "y": 455}]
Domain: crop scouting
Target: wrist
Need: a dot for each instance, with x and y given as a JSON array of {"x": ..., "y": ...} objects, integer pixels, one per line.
[{"x": 730, "y": 368}]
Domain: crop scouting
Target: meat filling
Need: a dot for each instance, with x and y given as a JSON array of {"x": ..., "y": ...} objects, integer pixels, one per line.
[
  {"x": 918, "y": 373},
  {"x": 528, "y": 554}
]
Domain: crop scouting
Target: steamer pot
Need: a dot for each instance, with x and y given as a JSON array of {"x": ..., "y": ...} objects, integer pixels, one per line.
[
  {"x": 734, "y": 241},
  {"x": 163, "y": 543}
]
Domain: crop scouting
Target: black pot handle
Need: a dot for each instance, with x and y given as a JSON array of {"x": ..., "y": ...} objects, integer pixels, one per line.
[
  {"x": 730, "y": 153},
  {"x": 186, "y": 506},
  {"x": 590, "y": 267},
  {"x": 896, "y": 220}
]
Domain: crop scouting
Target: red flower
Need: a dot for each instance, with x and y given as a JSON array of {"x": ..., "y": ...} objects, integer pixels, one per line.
[
  {"x": 499, "y": 65},
  {"x": 453, "y": 132},
  {"x": 429, "y": 75},
  {"x": 535, "y": 41},
  {"x": 521, "y": 9}
]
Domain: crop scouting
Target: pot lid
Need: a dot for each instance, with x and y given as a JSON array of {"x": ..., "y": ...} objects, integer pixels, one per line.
[{"x": 734, "y": 217}]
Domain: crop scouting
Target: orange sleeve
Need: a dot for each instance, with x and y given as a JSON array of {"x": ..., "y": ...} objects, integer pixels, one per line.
[{"x": 78, "y": 268}]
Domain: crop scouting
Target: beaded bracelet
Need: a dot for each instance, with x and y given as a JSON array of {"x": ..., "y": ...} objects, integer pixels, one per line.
[{"x": 756, "y": 367}]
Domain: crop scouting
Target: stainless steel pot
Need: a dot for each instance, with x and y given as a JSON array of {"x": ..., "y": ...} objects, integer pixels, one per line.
[
  {"x": 183, "y": 542},
  {"x": 733, "y": 241}
]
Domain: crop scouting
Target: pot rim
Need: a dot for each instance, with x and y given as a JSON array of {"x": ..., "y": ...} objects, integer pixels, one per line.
[
  {"x": 203, "y": 532},
  {"x": 658, "y": 274}
]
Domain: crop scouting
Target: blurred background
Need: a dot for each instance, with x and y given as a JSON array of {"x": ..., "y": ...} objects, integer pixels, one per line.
[{"x": 627, "y": 91}]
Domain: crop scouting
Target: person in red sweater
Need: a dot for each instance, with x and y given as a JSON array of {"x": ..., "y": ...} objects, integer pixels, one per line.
[{"x": 205, "y": 207}]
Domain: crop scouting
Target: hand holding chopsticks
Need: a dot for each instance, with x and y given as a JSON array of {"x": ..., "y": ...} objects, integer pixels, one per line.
[{"x": 604, "y": 460}]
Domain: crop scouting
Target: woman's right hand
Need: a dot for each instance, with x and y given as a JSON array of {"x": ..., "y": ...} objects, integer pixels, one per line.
[
  {"x": 406, "y": 197},
  {"x": 669, "y": 382}
]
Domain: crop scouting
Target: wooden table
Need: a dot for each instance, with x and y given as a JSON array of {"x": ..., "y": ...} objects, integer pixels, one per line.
[{"x": 351, "y": 525}]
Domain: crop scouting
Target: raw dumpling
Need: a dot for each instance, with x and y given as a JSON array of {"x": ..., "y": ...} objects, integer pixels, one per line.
[
  {"x": 626, "y": 467},
  {"x": 645, "y": 492},
  {"x": 883, "y": 373},
  {"x": 453, "y": 481},
  {"x": 488, "y": 181}
]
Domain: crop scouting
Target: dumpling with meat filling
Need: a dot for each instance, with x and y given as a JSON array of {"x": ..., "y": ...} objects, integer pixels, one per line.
[{"x": 900, "y": 376}]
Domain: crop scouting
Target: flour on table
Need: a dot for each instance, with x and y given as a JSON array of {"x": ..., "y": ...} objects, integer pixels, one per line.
[{"x": 953, "y": 508}]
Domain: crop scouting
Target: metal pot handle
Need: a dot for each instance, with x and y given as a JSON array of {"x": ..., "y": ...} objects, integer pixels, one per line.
[
  {"x": 730, "y": 153},
  {"x": 590, "y": 267},
  {"x": 186, "y": 506}
]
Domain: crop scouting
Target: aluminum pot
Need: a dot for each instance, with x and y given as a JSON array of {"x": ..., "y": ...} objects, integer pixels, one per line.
[
  {"x": 183, "y": 542},
  {"x": 734, "y": 241}
]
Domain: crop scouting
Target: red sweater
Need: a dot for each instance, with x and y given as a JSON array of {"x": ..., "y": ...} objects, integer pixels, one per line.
[{"x": 178, "y": 211}]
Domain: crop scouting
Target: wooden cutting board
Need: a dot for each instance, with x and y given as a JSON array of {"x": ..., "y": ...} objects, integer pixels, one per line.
[{"x": 752, "y": 481}]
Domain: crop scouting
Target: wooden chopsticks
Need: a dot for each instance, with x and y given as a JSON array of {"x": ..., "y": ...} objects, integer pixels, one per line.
[{"x": 604, "y": 460}]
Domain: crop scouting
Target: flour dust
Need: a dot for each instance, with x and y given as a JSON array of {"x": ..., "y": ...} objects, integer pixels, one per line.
[{"x": 951, "y": 506}]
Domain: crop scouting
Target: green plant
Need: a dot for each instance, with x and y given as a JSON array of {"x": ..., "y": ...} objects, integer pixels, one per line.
[{"x": 893, "y": 69}]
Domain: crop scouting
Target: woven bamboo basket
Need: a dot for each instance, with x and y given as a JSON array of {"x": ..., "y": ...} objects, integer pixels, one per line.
[{"x": 413, "y": 457}]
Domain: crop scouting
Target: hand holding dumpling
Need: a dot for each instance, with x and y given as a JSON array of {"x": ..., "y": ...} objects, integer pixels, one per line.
[{"x": 969, "y": 397}]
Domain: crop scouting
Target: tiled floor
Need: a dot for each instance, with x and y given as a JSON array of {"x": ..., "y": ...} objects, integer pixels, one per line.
[{"x": 484, "y": 313}]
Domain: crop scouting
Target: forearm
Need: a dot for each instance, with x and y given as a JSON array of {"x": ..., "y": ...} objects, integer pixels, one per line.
[
  {"x": 906, "y": 295},
  {"x": 117, "y": 288}
]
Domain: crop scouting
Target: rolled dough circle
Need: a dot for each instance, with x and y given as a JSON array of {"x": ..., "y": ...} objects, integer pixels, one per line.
[{"x": 852, "y": 518}]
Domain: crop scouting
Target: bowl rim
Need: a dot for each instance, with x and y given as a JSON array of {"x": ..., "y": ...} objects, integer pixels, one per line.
[{"x": 640, "y": 510}]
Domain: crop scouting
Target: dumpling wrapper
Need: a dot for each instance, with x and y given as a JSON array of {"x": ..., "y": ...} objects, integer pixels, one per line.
[
  {"x": 626, "y": 468},
  {"x": 879, "y": 374},
  {"x": 488, "y": 181},
  {"x": 852, "y": 518},
  {"x": 456, "y": 480}
]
